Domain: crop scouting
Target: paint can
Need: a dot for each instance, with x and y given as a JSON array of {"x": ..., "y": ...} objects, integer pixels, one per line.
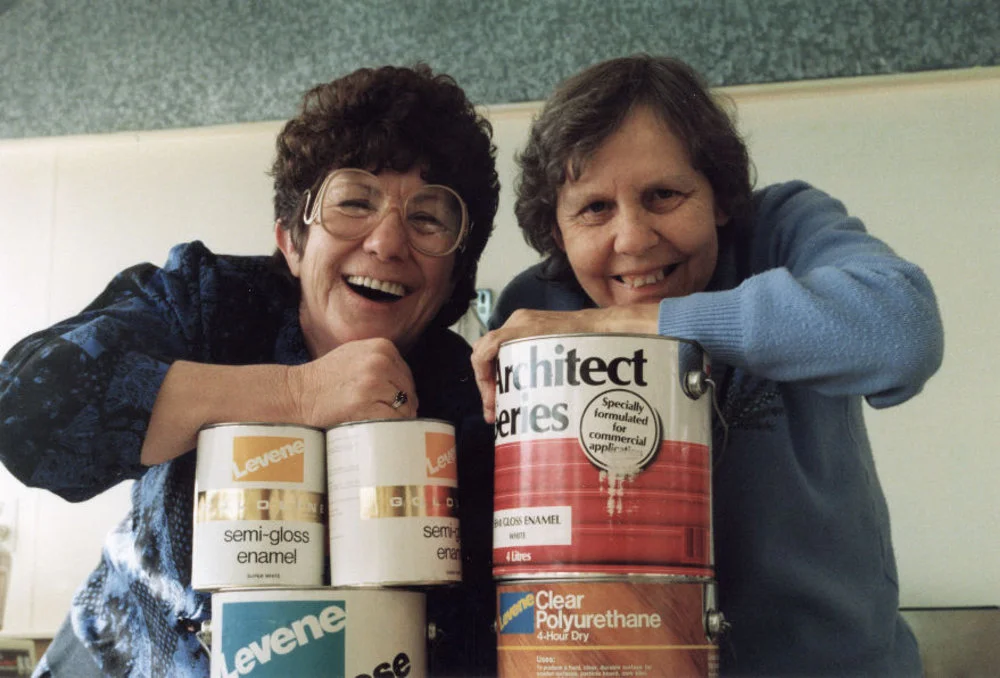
[
  {"x": 393, "y": 503},
  {"x": 260, "y": 507},
  {"x": 306, "y": 632},
  {"x": 609, "y": 628},
  {"x": 603, "y": 458}
]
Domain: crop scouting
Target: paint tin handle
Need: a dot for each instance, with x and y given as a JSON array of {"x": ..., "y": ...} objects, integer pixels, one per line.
[
  {"x": 715, "y": 625},
  {"x": 715, "y": 622},
  {"x": 204, "y": 636},
  {"x": 696, "y": 384}
]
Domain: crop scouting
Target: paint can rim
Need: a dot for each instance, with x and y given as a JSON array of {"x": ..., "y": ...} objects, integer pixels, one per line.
[
  {"x": 581, "y": 335},
  {"x": 273, "y": 424},
  {"x": 393, "y": 421},
  {"x": 598, "y": 578}
]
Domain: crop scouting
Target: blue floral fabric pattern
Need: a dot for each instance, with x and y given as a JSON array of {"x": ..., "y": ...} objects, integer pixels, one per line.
[{"x": 75, "y": 401}]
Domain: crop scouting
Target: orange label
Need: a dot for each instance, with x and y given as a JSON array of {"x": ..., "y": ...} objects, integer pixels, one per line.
[
  {"x": 441, "y": 457},
  {"x": 268, "y": 459},
  {"x": 614, "y": 629}
]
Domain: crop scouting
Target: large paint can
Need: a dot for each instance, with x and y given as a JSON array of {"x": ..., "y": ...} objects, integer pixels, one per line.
[
  {"x": 306, "y": 633},
  {"x": 393, "y": 495},
  {"x": 603, "y": 458},
  {"x": 260, "y": 507},
  {"x": 609, "y": 628}
]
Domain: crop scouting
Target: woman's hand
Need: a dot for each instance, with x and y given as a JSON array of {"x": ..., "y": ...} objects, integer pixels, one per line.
[
  {"x": 357, "y": 380},
  {"x": 636, "y": 319}
]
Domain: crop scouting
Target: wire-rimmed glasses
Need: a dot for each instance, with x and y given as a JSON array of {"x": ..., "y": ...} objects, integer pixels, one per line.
[{"x": 351, "y": 202}]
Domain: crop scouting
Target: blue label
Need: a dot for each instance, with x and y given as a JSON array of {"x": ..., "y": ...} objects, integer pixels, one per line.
[
  {"x": 517, "y": 612},
  {"x": 278, "y": 639}
]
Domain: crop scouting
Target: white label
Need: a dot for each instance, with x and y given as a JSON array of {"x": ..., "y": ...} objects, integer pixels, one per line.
[
  {"x": 252, "y": 553},
  {"x": 608, "y": 391},
  {"x": 619, "y": 432},
  {"x": 535, "y": 526}
]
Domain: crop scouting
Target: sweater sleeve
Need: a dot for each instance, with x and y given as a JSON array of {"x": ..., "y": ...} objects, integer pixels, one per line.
[
  {"x": 827, "y": 305},
  {"x": 76, "y": 398}
]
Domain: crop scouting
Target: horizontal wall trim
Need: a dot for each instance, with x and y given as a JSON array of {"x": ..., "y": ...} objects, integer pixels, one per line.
[{"x": 826, "y": 86}]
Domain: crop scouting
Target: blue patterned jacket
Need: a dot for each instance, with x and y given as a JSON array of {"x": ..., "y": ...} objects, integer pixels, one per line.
[{"x": 75, "y": 400}]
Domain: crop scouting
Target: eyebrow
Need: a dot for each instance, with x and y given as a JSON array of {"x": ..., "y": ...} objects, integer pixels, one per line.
[
  {"x": 424, "y": 197},
  {"x": 578, "y": 188}
]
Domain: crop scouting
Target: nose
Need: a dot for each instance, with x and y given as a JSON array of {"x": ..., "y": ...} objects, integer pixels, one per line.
[
  {"x": 635, "y": 232},
  {"x": 388, "y": 238}
]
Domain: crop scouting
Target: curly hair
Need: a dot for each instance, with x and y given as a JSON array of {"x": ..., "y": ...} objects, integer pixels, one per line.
[
  {"x": 392, "y": 118},
  {"x": 590, "y": 106}
]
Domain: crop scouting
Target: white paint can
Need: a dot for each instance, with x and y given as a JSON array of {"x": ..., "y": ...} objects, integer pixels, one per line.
[
  {"x": 260, "y": 507},
  {"x": 277, "y": 633},
  {"x": 393, "y": 498}
]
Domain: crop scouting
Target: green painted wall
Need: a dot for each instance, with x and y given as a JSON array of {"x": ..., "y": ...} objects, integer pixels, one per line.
[{"x": 89, "y": 66}]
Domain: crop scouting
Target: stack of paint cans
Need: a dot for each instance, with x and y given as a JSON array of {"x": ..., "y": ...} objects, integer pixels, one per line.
[
  {"x": 602, "y": 540},
  {"x": 316, "y": 545}
]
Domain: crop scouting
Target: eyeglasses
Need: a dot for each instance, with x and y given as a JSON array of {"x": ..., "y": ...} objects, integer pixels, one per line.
[{"x": 351, "y": 202}]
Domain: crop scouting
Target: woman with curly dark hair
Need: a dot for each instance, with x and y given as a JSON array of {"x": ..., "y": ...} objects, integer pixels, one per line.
[{"x": 385, "y": 194}]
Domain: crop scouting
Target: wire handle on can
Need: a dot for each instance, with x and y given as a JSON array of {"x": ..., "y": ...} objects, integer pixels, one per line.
[
  {"x": 722, "y": 421},
  {"x": 204, "y": 636},
  {"x": 716, "y": 624},
  {"x": 696, "y": 384}
]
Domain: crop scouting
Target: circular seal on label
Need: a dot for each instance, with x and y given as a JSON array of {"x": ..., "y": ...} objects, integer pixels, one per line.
[{"x": 620, "y": 432}]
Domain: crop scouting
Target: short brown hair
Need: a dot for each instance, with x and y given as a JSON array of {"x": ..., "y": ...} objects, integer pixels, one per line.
[
  {"x": 393, "y": 118},
  {"x": 590, "y": 106}
]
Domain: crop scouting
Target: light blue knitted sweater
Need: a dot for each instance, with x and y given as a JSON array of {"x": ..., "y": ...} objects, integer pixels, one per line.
[{"x": 806, "y": 315}]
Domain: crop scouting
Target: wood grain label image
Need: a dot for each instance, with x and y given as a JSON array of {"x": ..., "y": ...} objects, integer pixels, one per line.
[{"x": 611, "y": 629}]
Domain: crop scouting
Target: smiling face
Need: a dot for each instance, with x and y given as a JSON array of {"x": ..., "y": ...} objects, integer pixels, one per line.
[
  {"x": 639, "y": 223},
  {"x": 374, "y": 286}
]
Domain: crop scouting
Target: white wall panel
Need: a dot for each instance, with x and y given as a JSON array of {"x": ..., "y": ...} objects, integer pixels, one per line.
[
  {"x": 125, "y": 199},
  {"x": 918, "y": 159},
  {"x": 507, "y": 253},
  {"x": 27, "y": 190}
]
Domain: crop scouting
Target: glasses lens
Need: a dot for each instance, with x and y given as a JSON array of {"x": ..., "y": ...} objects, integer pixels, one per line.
[
  {"x": 353, "y": 202},
  {"x": 434, "y": 216}
]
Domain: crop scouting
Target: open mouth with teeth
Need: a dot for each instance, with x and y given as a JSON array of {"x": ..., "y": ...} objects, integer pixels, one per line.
[
  {"x": 637, "y": 281},
  {"x": 375, "y": 289}
]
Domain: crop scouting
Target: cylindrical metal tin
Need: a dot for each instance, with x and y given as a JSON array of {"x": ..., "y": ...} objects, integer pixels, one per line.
[
  {"x": 318, "y": 632},
  {"x": 260, "y": 507},
  {"x": 603, "y": 460},
  {"x": 608, "y": 628},
  {"x": 393, "y": 494}
]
